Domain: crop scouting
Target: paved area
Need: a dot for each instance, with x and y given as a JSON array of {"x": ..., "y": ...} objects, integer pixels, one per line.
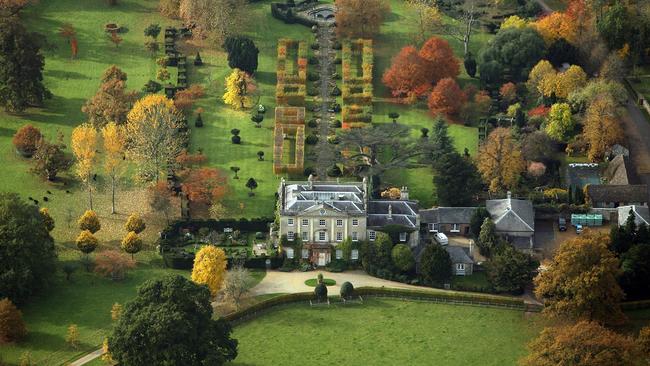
[
  {"x": 289, "y": 282},
  {"x": 87, "y": 358},
  {"x": 637, "y": 130}
]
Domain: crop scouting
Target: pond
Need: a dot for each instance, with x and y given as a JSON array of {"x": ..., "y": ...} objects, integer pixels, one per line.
[
  {"x": 325, "y": 13},
  {"x": 579, "y": 175}
]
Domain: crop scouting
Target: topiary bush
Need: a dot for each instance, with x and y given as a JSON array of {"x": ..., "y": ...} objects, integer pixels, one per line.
[
  {"x": 312, "y": 123},
  {"x": 347, "y": 290},
  {"x": 321, "y": 292},
  {"x": 152, "y": 87},
  {"x": 199, "y": 121},
  {"x": 311, "y": 140},
  {"x": 236, "y": 139}
]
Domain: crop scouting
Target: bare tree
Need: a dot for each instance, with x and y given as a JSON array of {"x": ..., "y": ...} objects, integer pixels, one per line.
[
  {"x": 238, "y": 282},
  {"x": 462, "y": 26}
]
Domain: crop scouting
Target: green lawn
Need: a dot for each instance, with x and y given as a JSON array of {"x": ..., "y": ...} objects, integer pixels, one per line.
[
  {"x": 85, "y": 301},
  {"x": 385, "y": 332}
]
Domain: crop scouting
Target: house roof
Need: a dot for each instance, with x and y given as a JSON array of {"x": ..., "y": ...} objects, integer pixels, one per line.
[
  {"x": 341, "y": 197},
  {"x": 641, "y": 214},
  {"x": 617, "y": 193},
  {"x": 392, "y": 212},
  {"x": 458, "y": 254},
  {"x": 512, "y": 215},
  {"x": 447, "y": 215},
  {"x": 618, "y": 150},
  {"x": 619, "y": 171}
]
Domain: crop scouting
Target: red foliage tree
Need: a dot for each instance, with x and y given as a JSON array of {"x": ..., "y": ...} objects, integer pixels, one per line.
[
  {"x": 407, "y": 77},
  {"x": 508, "y": 92},
  {"x": 446, "y": 98},
  {"x": 184, "y": 99},
  {"x": 204, "y": 185},
  {"x": 26, "y": 139},
  {"x": 441, "y": 62}
]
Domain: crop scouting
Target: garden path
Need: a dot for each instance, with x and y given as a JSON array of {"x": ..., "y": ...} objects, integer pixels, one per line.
[{"x": 325, "y": 153}]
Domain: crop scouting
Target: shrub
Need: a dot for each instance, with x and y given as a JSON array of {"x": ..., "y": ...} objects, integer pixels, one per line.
[
  {"x": 321, "y": 292},
  {"x": 236, "y": 139},
  {"x": 311, "y": 140},
  {"x": 89, "y": 221},
  {"x": 113, "y": 264},
  {"x": 12, "y": 326},
  {"x": 334, "y": 171},
  {"x": 26, "y": 140},
  {"x": 347, "y": 290},
  {"x": 152, "y": 87},
  {"x": 402, "y": 257},
  {"x": 312, "y": 123}
]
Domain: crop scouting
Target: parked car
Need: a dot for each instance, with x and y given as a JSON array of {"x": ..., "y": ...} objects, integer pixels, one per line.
[
  {"x": 578, "y": 229},
  {"x": 441, "y": 239},
  {"x": 561, "y": 224}
]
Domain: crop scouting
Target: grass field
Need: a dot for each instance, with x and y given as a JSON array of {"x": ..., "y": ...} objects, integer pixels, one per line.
[{"x": 385, "y": 332}]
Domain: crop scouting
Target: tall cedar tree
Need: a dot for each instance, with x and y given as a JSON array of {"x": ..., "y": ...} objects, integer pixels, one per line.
[
  {"x": 112, "y": 102},
  {"x": 457, "y": 180},
  {"x": 21, "y": 65},
  {"x": 500, "y": 161},
  {"x": 581, "y": 281},
  {"x": 446, "y": 98},
  {"x": 192, "y": 337},
  {"x": 27, "y": 254},
  {"x": 242, "y": 53},
  {"x": 360, "y": 18}
]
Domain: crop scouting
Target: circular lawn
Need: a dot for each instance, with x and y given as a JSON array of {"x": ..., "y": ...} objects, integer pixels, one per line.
[{"x": 312, "y": 282}]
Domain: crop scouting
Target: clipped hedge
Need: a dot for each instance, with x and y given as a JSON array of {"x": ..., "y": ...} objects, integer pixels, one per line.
[{"x": 172, "y": 235}]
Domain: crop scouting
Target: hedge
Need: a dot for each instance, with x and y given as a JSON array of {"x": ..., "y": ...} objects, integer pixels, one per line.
[{"x": 176, "y": 229}]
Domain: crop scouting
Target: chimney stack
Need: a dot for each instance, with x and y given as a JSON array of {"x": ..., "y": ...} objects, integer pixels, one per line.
[
  {"x": 404, "y": 193},
  {"x": 390, "y": 212},
  {"x": 310, "y": 181}
]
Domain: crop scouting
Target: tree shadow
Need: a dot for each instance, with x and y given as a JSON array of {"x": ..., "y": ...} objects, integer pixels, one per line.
[
  {"x": 266, "y": 77},
  {"x": 60, "y": 74}
]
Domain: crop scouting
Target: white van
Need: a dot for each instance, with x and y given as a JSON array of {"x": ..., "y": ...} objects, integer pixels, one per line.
[{"x": 441, "y": 239}]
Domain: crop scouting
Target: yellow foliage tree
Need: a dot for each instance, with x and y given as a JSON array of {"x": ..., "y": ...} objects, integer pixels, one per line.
[
  {"x": 547, "y": 82},
  {"x": 114, "y": 164},
  {"x": 428, "y": 18},
  {"x": 116, "y": 311},
  {"x": 601, "y": 127},
  {"x": 560, "y": 122},
  {"x": 239, "y": 88},
  {"x": 47, "y": 218},
  {"x": 500, "y": 162},
  {"x": 152, "y": 138},
  {"x": 86, "y": 242},
  {"x": 514, "y": 21},
  {"x": 131, "y": 243},
  {"x": 84, "y": 147},
  {"x": 569, "y": 81},
  {"x": 89, "y": 221},
  {"x": 556, "y": 26},
  {"x": 106, "y": 353},
  {"x": 135, "y": 223},
  {"x": 541, "y": 76},
  {"x": 210, "y": 268},
  {"x": 72, "y": 338},
  {"x": 392, "y": 193}
]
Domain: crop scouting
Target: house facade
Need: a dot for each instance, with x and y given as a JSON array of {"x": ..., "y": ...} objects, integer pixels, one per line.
[
  {"x": 461, "y": 263},
  {"x": 448, "y": 220},
  {"x": 323, "y": 214}
]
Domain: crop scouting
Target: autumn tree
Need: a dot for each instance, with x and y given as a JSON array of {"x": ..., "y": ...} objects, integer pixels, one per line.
[
  {"x": 12, "y": 326},
  {"x": 508, "y": 92},
  {"x": 555, "y": 26},
  {"x": 160, "y": 199},
  {"x": 441, "y": 62},
  {"x": 50, "y": 158},
  {"x": 89, "y": 221},
  {"x": 67, "y": 32},
  {"x": 114, "y": 265},
  {"x": 559, "y": 123},
  {"x": 210, "y": 268},
  {"x": 135, "y": 223},
  {"x": 574, "y": 78},
  {"x": 84, "y": 147},
  {"x": 131, "y": 243},
  {"x": 446, "y": 98},
  {"x": 514, "y": 21},
  {"x": 602, "y": 128},
  {"x": 111, "y": 103},
  {"x": 428, "y": 18},
  {"x": 584, "y": 343},
  {"x": 499, "y": 161},
  {"x": 237, "y": 283},
  {"x": 581, "y": 280},
  {"x": 26, "y": 140},
  {"x": 239, "y": 90},
  {"x": 152, "y": 137},
  {"x": 114, "y": 149},
  {"x": 86, "y": 242},
  {"x": 72, "y": 336},
  {"x": 48, "y": 221},
  {"x": 359, "y": 18},
  {"x": 407, "y": 76},
  {"x": 215, "y": 19},
  {"x": 542, "y": 78},
  {"x": 204, "y": 185},
  {"x": 169, "y": 8},
  {"x": 21, "y": 79},
  {"x": 185, "y": 99}
]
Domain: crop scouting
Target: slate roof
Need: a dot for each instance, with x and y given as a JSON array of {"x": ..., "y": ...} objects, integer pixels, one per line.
[
  {"x": 617, "y": 193},
  {"x": 447, "y": 215},
  {"x": 619, "y": 171},
  {"x": 458, "y": 254},
  {"x": 343, "y": 197},
  {"x": 641, "y": 213},
  {"x": 403, "y": 213},
  {"x": 512, "y": 215}
]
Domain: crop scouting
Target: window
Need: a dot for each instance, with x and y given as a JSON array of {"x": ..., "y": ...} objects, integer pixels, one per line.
[
  {"x": 460, "y": 266},
  {"x": 305, "y": 253},
  {"x": 339, "y": 222},
  {"x": 355, "y": 222},
  {"x": 455, "y": 228},
  {"x": 372, "y": 235},
  {"x": 290, "y": 236},
  {"x": 305, "y": 222},
  {"x": 354, "y": 255},
  {"x": 402, "y": 236},
  {"x": 355, "y": 236},
  {"x": 305, "y": 236},
  {"x": 290, "y": 222},
  {"x": 290, "y": 253},
  {"x": 339, "y": 254},
  {"x": 321, "y": 222},
  {"x": 433, "y": 228},
  {"x": 339, "y": 236},
  {"x": 321, "y": 236}
]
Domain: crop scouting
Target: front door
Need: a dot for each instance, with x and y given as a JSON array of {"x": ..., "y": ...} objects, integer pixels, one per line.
[{"x": 321, "y": 259}]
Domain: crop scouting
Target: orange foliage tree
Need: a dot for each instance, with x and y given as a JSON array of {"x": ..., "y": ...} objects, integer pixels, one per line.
[
  {"x": 360, "y": 18},
  {"x": 441, "y": 60},
  {"x": 407, "y": 75},
  {"x": 184, "y": 99},
  {"x": 556, "y": 26},
  {"x": 204, "y": 185},
  {"x": 26, "y": 140},
  {"x": 113, "y": 264},
  {"x": 508, "y": 92},
  {"x": 446, "y": 98}
]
